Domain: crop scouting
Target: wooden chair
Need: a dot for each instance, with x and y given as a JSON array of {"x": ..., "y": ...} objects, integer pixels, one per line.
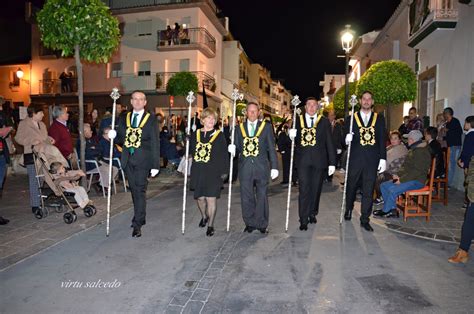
[
  {"x": 417, "y": 203},
  {"x": 442, "y": 183}
]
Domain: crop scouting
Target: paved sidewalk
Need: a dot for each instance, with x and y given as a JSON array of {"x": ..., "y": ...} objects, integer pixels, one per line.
[
  {"x": 444, "y": 225},
  {"x": 25, "y": 235}
]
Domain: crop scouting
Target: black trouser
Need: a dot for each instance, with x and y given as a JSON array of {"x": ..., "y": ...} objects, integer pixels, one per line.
[
  {"x": 138, "y": 182},
  {"x": 366, "y": 174},
  {"x": 285, "y": 159},
  {"x": 310, "y": 183},
  {"x": 467, "y": 232}
]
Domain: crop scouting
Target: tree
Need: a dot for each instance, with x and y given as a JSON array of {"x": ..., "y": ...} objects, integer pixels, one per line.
[
  {"x": 85, "y": 29},
  {"x": 338, "y": 100},
  {"x": 182, "y": 83},
  {"x": 392, "y": 82}
]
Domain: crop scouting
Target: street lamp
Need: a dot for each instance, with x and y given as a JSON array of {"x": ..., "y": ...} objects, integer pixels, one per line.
[
  {"x": 347, "y": 41},
  {"x": 19, "y": 73}
]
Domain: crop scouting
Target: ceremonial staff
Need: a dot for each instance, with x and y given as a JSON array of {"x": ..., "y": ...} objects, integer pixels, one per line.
[
  {"x": 190, "y": 99},
  {"x": 235, "y": 95},
  {"x": 353, "y": 103},
  {"x": 295, "y": 102},
  {"x": 112, "y": 134}
]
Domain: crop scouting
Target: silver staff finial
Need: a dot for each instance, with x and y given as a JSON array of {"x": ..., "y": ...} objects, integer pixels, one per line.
[
  {"x": 241, "y": 96},
  {"x": 353, "y": 100},
  {"x": 190, "y": 98},
  {"x": 115, "y": 94},
  {"x": 235, "y": 94},
  {"x": 296, "y": 101}
]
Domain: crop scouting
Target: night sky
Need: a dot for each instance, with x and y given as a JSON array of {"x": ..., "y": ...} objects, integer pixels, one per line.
[
  {"x": 299, "y": 40},
  {"x": 296, "y": 40}
]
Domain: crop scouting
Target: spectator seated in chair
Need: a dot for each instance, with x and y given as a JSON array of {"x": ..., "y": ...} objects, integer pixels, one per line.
[
  {"x": 104, "y": 144},
  {"x": 94, "y": 152},
  {"x": 431, "y": 134},
  {"x": 412, "y": 175}
]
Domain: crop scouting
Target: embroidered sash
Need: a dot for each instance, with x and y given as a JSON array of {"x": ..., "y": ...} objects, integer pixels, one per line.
[
  {"x": 203, "y": 150},
  {"x": 251, "y": 147},
  {"x": 308, "y": 135},
  {"x": 133, "y": 136},
  {"x": 367, "y": 134}
]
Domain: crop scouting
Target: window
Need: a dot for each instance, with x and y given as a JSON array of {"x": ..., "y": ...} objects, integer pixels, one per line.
[
  {"x": 115, "y": 69},
  {"x": 143, "y": 68},
  {"x": 144, "y": 28}
]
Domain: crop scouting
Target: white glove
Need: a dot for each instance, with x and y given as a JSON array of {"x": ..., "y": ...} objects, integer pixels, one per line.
[
  {"x": 292, "y": 134},
  {"x": 274, "y": 174},
  {"x": 338, "y": 151},
  {"x": 231, "y": 149},
  {"x": 112, "y": 134},
  {"x": 193, "y": 128},
  {"x": 154, "y": 172},
  {"x": 382, "y": 165},
  {"x": 331, "y": 170},
  {"x": 349, "y": 138}
]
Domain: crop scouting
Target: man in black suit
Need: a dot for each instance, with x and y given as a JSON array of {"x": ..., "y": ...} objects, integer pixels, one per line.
[
  {"x": 138, "y": 131},
  {"x": 255, "y": 144},
  {"x": 431, "y": 133},
  {"x": 284, "y": 147},
  {"x": 315, "y": 158},
  {"x": 368, "y": 155}
]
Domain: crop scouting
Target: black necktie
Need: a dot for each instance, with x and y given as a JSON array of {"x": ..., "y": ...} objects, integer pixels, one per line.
[{"x": 312, "y": 121}]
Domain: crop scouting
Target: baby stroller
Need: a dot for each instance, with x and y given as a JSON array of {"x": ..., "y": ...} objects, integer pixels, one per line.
[{"x": 53, "y": 196}]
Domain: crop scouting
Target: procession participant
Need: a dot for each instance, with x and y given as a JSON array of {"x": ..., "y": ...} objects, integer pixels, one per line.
[
  {"x": 138, "y": 131},
  {"x": 209, "y": 167},
  {"x": 368, "y": 155},
  {"x": 255, "y": 144},
  {"x": 315, "y": 153}
]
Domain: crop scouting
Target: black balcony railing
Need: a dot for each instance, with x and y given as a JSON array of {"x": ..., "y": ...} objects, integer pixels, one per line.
[
  {"x": 198, "y": 37},
  {"x": 57, "y": 86},
  {"x": 204, "y": 80}
]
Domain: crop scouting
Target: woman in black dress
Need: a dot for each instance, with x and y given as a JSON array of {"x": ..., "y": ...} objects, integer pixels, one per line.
[{"x": 209, "y": 168}]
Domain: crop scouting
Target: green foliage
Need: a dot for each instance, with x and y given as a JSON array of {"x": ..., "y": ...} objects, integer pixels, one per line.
[
  {"x": 338, "y": 100},
  {"x": 240, "y": 109},
  {"x": 392, "y": 82},
  {"x": 87, "y": 23},
  {"x": 182, "y": 83}
]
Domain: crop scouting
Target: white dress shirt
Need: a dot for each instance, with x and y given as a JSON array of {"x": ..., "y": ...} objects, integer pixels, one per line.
[
  {"x": 249, "y": 126},
  {"x": 308, "y": 119},
  {"x": 365, "y": 117},
  {"x": 139, "y": 117}
]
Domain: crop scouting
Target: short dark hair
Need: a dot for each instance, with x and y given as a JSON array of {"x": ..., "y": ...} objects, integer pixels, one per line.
[
  {"x": 367, "y": 92},
  {"x": 137, "y": 91},
  {"x": 310, "y": 98},
  {"x": 432, "y": 132},
  {"x": 396, "y": 133},
  {"x": 406, "y": 117},
  {"x": 449, "y": 111},
  {"x": 412, "y": 108},
  {"x": 34, "y": 108},
  {"x": 253, "y": 103},
  {"x": 470, "y": 120}
]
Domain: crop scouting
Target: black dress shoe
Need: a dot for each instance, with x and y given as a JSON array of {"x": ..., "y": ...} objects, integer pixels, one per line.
[
  {"x": 348, "y": 215},
  {"x": 263, "y": 230},
  {"x": 392, "y": 214},
  {"x": 303, "y": 227},
  {"x": 203, "y": 222},
  {"x": 210, "y": 231},
  {"x": 379, "y": 213},
  {"x": 137, "y": 232},
  {"x": 249, "y": 229},
  {"x": 34, "y": 209},
  {"x": 312, "y": 219},
  {"x": 367, "y": 226},
  {"x": 3, "y": 221}
]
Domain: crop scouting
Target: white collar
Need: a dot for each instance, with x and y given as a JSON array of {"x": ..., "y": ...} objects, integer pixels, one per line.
[
  {"x": 139, "y": 112},
  {"x": 469, "y": 131},
  {"x": 313, "y": 116}
]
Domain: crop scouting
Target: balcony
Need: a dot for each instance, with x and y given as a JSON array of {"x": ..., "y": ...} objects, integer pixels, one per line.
[
  {"x": 55, "y": 86},
  {"x": 189, "y": 39},
  {"x": 158, "y": 81},
  {"x": 427, "y": 19}
]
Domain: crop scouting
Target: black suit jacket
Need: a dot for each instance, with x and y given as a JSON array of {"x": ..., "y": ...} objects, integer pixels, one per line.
[
  {"x": 321, "y": 155},
  {"x": 267, "y": 154},
  {"x": 147, "y": 156},
  {"x": 337, "y": 135},
  {"x": 437, "y": 152},
  {"x": 368, "y": 154}
]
